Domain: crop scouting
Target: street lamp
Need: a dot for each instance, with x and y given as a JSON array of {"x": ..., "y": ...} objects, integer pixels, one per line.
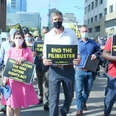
[{"x": 3, "y": 15}]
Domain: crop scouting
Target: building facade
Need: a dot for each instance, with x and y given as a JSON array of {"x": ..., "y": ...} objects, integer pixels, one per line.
[
  {"x": 24, "y": 19},
  {"x": 69, "y": 19},
  {"x": 50, "y": 25},
  {"x": 14, "y": 6},
  {"x": 99, "y": 16}
]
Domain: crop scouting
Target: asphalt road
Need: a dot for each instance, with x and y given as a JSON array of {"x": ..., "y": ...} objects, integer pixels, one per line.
[{"x": 95, "y": 103}]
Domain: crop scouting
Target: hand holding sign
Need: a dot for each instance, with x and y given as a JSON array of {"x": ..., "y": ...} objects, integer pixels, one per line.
[
  {"x": 22, "y": 72},
  {"x": 20, "y": 60},
  {"x": 93, "y": 57},
  {"x": 4, "y": 81},
  {"x": 47, "y": 62},
  {"x": 76, "y": 61}
]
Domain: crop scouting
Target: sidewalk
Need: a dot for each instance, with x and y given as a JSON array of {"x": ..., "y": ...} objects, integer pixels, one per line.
[{"x": 96, "y": 100}]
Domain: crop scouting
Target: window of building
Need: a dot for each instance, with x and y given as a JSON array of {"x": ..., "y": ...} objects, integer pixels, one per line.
[
  {"x": 90, "y": 30},
  {"x": 91, "y": 19},
  {"x": 100, "y": 15},
  {"x": 101, "y": 1},
  {"x": 96, "y": 18},
  {"x": 111, "y": 9},
  {"x": 96, "y": 3},
  {"x": 13, "y": 3},
  {"x": 105, "y": 11},
  {"x": 88, "y": 7},
  {"x": 97, "y": 28},
  {"x": 85, "y": 10},
  {"x": 110, "y": 23},
  {"x": 92, "y": 5},
  {"x": 88, "y": 21}
]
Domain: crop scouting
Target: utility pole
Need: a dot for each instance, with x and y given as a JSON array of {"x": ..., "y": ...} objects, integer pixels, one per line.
[{"x": 3, "y": 15}]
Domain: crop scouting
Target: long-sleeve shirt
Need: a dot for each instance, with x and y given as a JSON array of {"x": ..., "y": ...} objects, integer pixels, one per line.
[{"x": 3, "y": 52}]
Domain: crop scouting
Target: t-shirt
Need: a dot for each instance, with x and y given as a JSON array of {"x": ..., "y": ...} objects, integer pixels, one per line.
[{"x": 112, "y": 65}]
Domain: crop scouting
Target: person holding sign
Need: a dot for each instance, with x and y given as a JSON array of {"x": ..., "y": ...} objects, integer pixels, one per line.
[
  {"x": 45, "y": 79},
  {"x": 110, "y": 91},
  {"x": 59, "y": 74},
  {"x": 83, "y": 77},
  {"x": 41, "y": 70},
  {"x": 22, "y": 95},
  {"x": 3, "y": 53},
  {"x": 29, "y": 40}
]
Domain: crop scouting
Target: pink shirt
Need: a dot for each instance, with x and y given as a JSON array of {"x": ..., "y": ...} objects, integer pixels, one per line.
[{"x": 20, "y": 53}]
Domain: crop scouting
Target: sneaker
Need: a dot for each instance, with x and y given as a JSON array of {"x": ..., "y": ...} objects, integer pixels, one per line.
[
  {"x": 46, "y": 107},
  {"x": 3, "y": 109},
  {"x": 104, "y": 115},
  {"x": 84, "y": 106},
  {"x": 63, "y": 113},
  {"x": 79, "y": 113}
]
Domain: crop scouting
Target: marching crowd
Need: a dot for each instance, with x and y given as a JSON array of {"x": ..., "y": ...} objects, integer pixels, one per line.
[{"x": 21, "y": 47}]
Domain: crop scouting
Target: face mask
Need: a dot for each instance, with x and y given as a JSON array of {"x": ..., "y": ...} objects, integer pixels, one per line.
[
  {"x": 18, "y": 42},
  {"x": 84, "y": 35},
  {"x": 36, "y": 38},
  {"x": 57, "y": 24},
  {"x": 28, "y": 39}
]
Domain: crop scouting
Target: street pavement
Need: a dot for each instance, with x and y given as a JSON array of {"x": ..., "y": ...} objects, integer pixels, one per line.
[{"x": 95, "y": 102}]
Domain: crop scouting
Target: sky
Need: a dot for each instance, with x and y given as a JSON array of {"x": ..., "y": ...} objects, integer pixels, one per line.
[{"x": 65, "y": 6}]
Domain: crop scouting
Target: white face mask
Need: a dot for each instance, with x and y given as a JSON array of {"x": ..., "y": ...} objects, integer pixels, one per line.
[
  {"x": 84, "y": 35},
  {"x": 18, "y": 42}
]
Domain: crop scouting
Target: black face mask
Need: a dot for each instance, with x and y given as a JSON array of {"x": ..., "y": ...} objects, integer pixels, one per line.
[{"x": 57, "y": 24}]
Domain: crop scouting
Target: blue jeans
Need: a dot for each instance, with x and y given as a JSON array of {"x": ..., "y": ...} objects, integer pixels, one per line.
[
  {"x": 56, "y": 77},
  {"x": 83, "y": 82},
  {"x": 110, "y": 95}
]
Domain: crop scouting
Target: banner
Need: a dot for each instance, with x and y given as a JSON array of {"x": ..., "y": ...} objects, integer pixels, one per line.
[
  {"x": 61, "y": 54},
  {"x": 38, "y": 48},
  {"x": 22, "y": 73},
  {"x": 113, "y": 51}
]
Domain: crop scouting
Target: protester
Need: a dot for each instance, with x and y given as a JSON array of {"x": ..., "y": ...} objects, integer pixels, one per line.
[
  {"x": 103, "y": 62},
  {"x": 59, "y": 73},
  {"x": 101, "y": 42},
  {"x": 45, "y": 76},
  {"x": 29, "y": 40},
  {"x": 3, "y": 52},
  {"x": 110, "y": 91},
  {"x": 84, "y": 78},
  {"x": 41, "y": 72},
  {"x": 22, "y": 95},
  {"x": 43, "y": 32},
  {"x": 36, "y": 36},
  {"x": 25, "y": 30}
]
